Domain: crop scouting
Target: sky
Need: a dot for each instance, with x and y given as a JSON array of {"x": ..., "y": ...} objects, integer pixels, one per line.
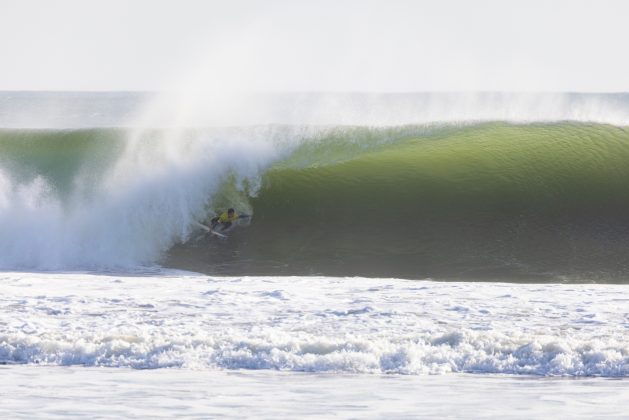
[{"x": 314, "y": 46}]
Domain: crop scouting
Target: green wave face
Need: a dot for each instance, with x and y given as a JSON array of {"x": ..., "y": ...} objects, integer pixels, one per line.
[{"x": 492, "y": 201}]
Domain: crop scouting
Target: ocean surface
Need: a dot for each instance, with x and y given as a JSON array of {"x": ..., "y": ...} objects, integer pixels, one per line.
[{"x": 478, "y": 237}]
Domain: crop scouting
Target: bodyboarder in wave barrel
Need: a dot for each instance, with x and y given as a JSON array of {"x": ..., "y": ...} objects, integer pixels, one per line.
[{"x": 226, "y": 220}]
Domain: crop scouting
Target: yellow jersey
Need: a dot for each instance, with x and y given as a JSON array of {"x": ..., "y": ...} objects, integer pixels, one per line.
[{"x": 224, "y": 218}]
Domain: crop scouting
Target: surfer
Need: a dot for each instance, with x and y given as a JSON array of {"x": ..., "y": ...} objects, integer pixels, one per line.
[{"x": 226, "y": 219}]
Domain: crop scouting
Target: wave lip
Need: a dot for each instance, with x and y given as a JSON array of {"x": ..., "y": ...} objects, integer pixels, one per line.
[{"x": 315, "y": 324}]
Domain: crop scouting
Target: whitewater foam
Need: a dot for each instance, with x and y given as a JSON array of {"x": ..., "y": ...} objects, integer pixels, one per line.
[
  {"x": 314, "y": 324},
  {"x": 134, "y": 208}
]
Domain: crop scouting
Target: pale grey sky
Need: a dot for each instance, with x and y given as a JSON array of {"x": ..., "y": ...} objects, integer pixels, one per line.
[{"x": 342, "y": 45}]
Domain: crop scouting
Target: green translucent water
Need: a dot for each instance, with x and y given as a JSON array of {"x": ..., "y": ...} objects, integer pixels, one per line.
[{"x": 489, "y": 201}]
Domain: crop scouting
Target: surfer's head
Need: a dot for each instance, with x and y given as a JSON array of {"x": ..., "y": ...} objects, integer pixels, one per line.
[{"x": 231, "y": 211}]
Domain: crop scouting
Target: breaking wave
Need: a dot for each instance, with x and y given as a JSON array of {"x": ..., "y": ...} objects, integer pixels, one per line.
[{"x": 467, "y": 197}]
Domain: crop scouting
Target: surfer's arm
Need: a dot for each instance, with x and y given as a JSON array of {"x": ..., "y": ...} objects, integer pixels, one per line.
[{"x": 243, "y": 216}]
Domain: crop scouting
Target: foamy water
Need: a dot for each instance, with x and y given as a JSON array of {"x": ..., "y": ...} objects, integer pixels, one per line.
[{"x": 314, "y": 324}]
